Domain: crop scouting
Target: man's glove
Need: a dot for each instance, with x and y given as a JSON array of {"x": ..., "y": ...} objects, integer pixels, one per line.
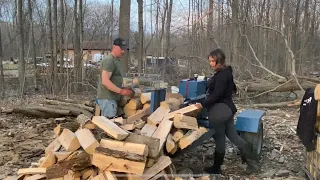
[{"x": 126, "y": 92}]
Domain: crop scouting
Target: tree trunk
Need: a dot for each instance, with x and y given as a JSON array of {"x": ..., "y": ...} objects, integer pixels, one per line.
[
  {"x": 22, "y": 65},
  {"x": 55, "y": 45},
  {"x": 51, "y": 43},
  {"x": 1, "y": 70},
  {"x": 234, "y": 30},
  {"x": 77, "y": 51},
  {"x": 124, "y": 29},
  {"x": 33, "y": 45},
  {"x": 62, "y": 24},
  {"x": 168, "y": 24},
  {"x": 140, "y": 41},
  {"x": 209, "y": 26}
]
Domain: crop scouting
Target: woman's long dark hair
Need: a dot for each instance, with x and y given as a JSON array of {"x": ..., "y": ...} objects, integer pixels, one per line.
[{"x": 219, "y": 56}]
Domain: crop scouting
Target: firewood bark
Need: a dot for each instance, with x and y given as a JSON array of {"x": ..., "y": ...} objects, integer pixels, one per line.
[
  {"x": 60, "y": 169},
  {"x": 120, "y": 154},
  {"x": 74, "y": 111},
  {"x": 73, "y": 101},
  {"x": 135, "y": 104}
]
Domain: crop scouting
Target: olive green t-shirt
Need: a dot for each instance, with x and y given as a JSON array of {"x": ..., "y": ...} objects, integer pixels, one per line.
[{"x": 110, "y": 64}]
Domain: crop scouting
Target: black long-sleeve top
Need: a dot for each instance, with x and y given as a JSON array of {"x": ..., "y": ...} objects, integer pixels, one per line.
[{"x": 220, "y": 89}]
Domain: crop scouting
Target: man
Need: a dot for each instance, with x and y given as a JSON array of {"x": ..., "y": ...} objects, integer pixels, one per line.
[{"x": 111, "y": 79}]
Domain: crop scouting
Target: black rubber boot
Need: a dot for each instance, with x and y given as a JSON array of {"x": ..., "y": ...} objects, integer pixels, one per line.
[
  {"x": 252, "y": 166},
  {"x": 216, "y": 168}
]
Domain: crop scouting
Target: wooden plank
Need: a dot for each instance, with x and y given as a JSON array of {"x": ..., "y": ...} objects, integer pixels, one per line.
[
  {"x": 53, "y": 146},
  {"x": 111, "y": 163},
  {"x": 145, "y": 97},
  {"x": 152, "y": 143},
  {"x": 317, "y": 92},
  {"x": 32, "y": 171},
  {"x": 120, "y": 154},
  {"x": 86, "y": 173},
  {"x": 62, "y": 155},
  {"x": 181, "y": 121},
  {"x": 109, "y": 127},
  {"x": 161, "y": 164},
  {"x": 69, "y": 140},
  {"x": 128, "y": 147},
  {"x": 119, "y": 120},
  {"x": 87, "y": 140},
  {"x": 191, "y": 136},
  {"x": 138, "y": 115},
  {"x": 171, "y": 146},
  {"x": 148, "y": 130},
  {"x": 110, "y": 175},
  {"x": 191, "y": 110},
  {"x": 128, "y": 127},
  {"x": 177, "y": 135},
  {"x": 162, "y": 132},
  {"x": 36, "y": 177},
  {"x": 100, "y": 176},
  {"x": 157, "y": 116},
  {"x": 133, "y": 176},
  {"x": 48, "y": 161}
]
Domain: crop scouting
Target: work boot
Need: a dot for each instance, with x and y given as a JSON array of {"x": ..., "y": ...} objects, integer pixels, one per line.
[
  {"x": 216, "y": 168},
  {"x": 252, "y": 166}
]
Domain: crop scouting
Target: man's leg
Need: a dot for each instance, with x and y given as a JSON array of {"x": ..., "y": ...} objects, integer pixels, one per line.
[{"x": 108, "y": 107}]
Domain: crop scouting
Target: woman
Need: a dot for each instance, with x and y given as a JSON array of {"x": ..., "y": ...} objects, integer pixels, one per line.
[{"x": 221, "y": 110}]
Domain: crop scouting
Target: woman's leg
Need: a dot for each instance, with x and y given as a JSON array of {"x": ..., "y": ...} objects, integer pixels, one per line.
[
  {"x": 233, "y": 136},
  {"x": 220, "y": 140}
]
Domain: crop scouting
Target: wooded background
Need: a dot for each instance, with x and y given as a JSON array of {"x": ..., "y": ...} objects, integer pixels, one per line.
[{"x": 263, "y": 39}]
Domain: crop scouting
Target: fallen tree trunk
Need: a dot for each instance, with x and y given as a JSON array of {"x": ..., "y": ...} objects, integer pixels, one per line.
[
  {"x": 75, "y": 111},
  {"x": 271, "y": 105},
  {"x": 81, "y": 106},
  {"x": 263, "y": 86},
  {"x": 73, "y": 101},
  {"x": 34, "y": 113}
]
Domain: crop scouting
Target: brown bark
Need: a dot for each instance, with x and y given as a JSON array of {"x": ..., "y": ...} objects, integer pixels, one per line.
[
  {"x": 270, "y": 105},
  {"x": 120, "y": 154},
  {"x": 60, "y": 169},
  {"x": 168, "y": 24},
  {"x": 55, "y": 46}
]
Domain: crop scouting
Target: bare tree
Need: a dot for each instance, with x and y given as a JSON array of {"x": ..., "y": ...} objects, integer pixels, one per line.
[
  {"x": 22, "y": 64},
  {"x": 55, "y": 45},
  {"x": 1, "y": 69},
  {"x": 77, "y": 47},
  {"x": 51, "y": 44},
  {"x": 33, "y": 45},
  {"x": 141, "y": 32},
  {"x": 168, "y": 24},
  {"x": 124, "y": 29},
  {"x": 62, "y": 25}
]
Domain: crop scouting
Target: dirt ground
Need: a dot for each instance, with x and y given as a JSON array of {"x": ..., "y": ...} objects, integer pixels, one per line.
[{"x": 23, "y": 140}]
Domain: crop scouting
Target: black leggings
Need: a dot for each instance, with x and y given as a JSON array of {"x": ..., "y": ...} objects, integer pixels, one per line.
[
  {"x": 228, "y": 129},
  {"x": 221, "y": 119}
]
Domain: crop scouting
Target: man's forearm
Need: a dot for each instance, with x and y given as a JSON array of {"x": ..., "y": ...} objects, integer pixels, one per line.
[{"x": 112, "y": 87}]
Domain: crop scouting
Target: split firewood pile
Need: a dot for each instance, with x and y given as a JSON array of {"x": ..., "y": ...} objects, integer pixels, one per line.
[{"x": 137, "y": 147}]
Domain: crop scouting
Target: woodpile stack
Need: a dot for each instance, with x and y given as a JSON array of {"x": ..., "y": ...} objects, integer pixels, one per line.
[{"x": 134, "y": 148}]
